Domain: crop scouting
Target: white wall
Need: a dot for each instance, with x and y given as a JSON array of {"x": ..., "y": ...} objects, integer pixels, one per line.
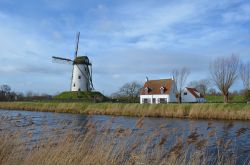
[
  {"x": 82, "y": 83},
  {"x": 156, "y": 97},
  {"x": 189, "y": 98}
]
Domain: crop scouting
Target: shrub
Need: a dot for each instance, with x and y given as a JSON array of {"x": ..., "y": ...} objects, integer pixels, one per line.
[{"x": 247, "y": 95}]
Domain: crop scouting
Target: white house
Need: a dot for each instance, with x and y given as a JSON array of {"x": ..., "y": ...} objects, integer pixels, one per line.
[
  {"x": 191, "y": 95},
  {"x": 158, "y": 91}
]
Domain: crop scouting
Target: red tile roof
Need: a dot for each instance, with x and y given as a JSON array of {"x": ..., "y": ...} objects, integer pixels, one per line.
[
  {"x": 193, "y": 92},
  {"x": 154, "y": 86}
]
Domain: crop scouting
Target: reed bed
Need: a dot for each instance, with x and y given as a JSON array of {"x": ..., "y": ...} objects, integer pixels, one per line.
[
  {"x": 233, "y": 111},
  {"x": 120, "y": 145}
]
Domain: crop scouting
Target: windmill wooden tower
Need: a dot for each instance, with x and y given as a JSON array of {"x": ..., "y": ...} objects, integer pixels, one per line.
[{"x": 81, "y": 79}]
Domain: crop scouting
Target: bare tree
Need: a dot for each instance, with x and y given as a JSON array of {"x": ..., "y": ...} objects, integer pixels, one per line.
[
  {"x": 5, "y": 88},
  {"x": 180, "y": 77},
  {"x": 129, "y": 90},
  {"x": 224, "y": 73},
  {"x": 5, "y": 92},
  {"x": 212, "y": 91},
  {"x": 201, "y": 85},
  {"x": 245, "y": 74}
]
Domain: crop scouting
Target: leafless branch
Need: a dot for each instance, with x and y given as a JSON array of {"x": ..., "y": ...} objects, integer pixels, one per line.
[
  {"x": 180, "y": 77},
  {"x": 224, "y": 73},
  {"x": 245, "y": 74}
]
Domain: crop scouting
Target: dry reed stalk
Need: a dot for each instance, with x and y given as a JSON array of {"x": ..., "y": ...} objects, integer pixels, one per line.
[
  {"x": 91, "y": 147},
  {"x": 201, "y": 144},
  {"x": 193, "y": 137},
  {"x": 241, "y": 131},
  {"x": 211, "y": 133},
  {"x": 177, "y": 148},
  {"x": 139, "y": 123}
]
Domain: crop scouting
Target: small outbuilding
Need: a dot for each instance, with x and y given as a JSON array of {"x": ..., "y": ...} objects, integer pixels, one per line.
[
  {"x": 158, "y": 91},
  {"x": 191, "y": 95}
]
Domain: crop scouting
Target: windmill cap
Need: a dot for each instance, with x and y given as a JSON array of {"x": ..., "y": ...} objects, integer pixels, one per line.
[{"x": 82, "y": 60}]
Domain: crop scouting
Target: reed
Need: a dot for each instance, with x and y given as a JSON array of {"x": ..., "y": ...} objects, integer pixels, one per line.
[
  {"x": 233, "y": 111},
  {"x": 117, "y": 146}
]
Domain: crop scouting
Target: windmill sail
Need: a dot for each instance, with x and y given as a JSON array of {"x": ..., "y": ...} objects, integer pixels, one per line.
[
  {"x": 90, "y": 76},
  {"x": 61, "y": 60},
  {"x": 77, "y": 43}
]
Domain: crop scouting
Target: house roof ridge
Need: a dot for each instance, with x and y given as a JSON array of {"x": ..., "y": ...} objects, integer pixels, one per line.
[
  {"x": 160, "y": 79},
  {"x": 155, "y": 86}
]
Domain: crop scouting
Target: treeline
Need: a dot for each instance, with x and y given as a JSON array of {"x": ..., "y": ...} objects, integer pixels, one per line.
[{"x": 6, "y": 94}]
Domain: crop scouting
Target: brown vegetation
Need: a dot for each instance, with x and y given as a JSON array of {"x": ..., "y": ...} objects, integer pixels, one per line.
[
  {"x": 238, "y": 111},
  {"x": 117, "y": 146}
]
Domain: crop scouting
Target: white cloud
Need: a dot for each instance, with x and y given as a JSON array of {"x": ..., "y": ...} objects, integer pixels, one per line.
[{"x": 125, "y": 41}]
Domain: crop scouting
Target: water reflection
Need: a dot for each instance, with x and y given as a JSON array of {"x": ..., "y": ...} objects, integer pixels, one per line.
[{"x": 217, "y": 134}]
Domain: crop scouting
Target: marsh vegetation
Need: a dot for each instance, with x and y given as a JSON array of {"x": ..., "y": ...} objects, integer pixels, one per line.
[
  {"x": 114, "y": 140},
  {"x": 237, "y": 111}
]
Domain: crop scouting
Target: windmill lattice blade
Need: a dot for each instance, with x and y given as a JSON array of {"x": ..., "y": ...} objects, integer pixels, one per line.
[
  {"x": 61, "y": 60},
  {"x": 77, "y": 43}
]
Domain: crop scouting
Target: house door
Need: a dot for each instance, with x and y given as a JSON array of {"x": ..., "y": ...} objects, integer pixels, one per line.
[{"x": 154, "y": 100}]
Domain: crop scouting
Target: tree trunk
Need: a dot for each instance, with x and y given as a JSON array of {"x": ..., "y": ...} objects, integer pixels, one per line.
[
  {"x": 225, "y": 98},
  {"x": 180, "y": 98}
]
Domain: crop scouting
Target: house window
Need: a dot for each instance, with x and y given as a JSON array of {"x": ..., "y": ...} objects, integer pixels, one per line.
[
  {"x": 85, "y": 69},
  {"x": 146, "y": 90},
  {"x": 145, "y": 100},
  {"x": 74, "y": 85},
  {"x": 79, "y": 89},
  {"x": 162, "y": 100},
  {"x": 154, "y": 100},
  {"x": 185, "y": 93},
  {"x": 79, "y": 77}
]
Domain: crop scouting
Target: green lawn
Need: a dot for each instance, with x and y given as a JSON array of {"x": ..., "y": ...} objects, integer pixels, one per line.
[
  {"x": 220, "y": 99},
  {"x": 80, "y": 95}
]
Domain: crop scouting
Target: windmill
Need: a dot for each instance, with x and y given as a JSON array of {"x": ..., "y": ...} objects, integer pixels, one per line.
[{"x": 81, "y": 79}]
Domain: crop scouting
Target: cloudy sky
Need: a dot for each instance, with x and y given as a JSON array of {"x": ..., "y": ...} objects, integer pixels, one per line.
[{"x": 125, "y": 40}]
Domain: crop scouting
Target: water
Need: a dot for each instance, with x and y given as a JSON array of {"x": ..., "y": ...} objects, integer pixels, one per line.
[{"x": 54, "y": 125}]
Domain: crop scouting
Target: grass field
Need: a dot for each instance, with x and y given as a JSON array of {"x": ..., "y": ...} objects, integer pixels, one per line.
[
  {"x": 220, "y": 99},
  {"x": 87, "y": 96},
  {"x": 232, "y": 111}
]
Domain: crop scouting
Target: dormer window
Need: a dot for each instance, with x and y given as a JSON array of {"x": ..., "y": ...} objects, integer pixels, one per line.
[
  {"x": 162, "y": 89},
  {"x": 146, "y": 90}
]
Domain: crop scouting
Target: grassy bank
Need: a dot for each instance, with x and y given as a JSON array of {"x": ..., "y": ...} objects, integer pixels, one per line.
[{"x": 236, "y": 111}]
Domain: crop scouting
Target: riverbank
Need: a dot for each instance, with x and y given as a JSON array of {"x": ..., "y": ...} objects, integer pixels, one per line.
[{"x": 233, "y": 111}]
